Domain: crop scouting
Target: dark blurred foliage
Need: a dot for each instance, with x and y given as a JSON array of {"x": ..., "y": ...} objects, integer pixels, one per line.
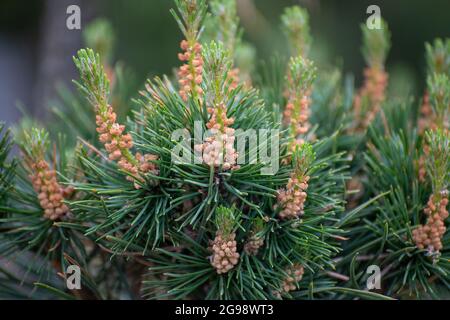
[
  {"x": 18, "y": 16},
  {"x": 148, "y": 38}
]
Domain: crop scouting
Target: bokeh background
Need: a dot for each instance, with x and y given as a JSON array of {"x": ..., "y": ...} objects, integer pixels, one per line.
[{"x": 36, "y": 47}]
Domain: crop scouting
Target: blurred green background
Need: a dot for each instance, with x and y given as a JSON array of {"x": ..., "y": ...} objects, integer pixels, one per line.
[{"x": 36, "y": 47}]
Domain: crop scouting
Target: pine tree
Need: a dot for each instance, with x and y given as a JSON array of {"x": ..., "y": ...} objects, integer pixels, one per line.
[{"x": 167, "y": 200}]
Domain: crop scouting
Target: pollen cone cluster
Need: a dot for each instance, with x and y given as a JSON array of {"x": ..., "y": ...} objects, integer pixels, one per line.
[
  {"x": 429, "y": 236},
  {"x": 218, "y": 149},
  {"x": 295, "y": 274},
  {"x": 253, "y": 244},
  {"x": 146, "y": 164},
  {"x": 291, "y": 199},
  {"x": 190, "y": 73},
  {"x": 373, "y": 89},
  {"x": 427, "y": 117},
  {"x": 118, "y": 146},
  {"x": 225, "y": 255},
  {"x": 296, "y": 115},
  {"x": 233, "y": 76},
  {"x": 50, "y": 194}
]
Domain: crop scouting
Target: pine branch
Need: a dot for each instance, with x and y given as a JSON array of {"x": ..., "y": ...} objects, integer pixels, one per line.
[{"x": 295, "y": 21}]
